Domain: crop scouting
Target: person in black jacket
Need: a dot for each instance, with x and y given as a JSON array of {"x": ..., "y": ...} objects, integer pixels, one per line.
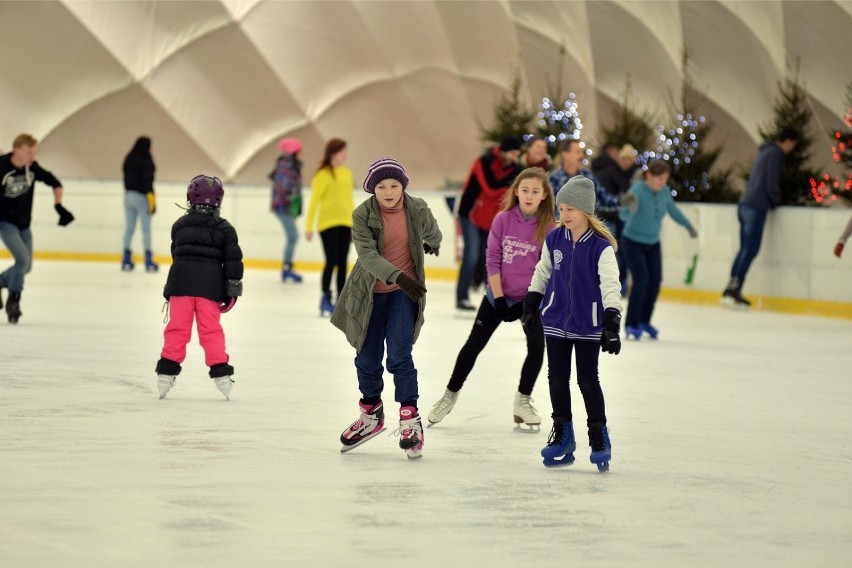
[
  {"x": 204, "y": 281},
  {"x": 139, "y": 200},
  {"x": 18, "y": 173}
]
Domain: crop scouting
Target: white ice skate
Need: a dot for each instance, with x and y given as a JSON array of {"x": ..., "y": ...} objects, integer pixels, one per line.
[
  {"x": 526, "y": 418},
  {"x": 442, "y": 407},
  {"x": 224, "y": 385},
  {"x": 410, "y": 432},
  {"x": 165, "y": 384}
]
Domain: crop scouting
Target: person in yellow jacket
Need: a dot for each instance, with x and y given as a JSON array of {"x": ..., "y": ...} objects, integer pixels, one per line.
[{"x": 331, "y": 196}]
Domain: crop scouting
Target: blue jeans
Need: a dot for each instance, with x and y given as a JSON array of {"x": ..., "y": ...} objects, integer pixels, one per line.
[
  {"x": 290, "y": 232},
  {"x": 392, "y": 321},
  {"x": 752, "y": 221},
  {"x": 475, "y": 241},
  {"x": 20, "y": 245},
  {"x": 136, "y": 207},
  {"x": 645, "y": 263}
]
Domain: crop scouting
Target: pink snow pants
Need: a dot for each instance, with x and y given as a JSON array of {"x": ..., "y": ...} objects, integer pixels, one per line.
[{"x": 179, "y": 329}]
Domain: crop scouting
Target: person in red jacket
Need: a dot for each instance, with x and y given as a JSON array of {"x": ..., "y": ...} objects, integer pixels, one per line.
[{"x": 489, "y": 178}]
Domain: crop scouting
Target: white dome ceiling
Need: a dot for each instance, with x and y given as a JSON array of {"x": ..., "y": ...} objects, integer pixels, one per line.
[{"x": 215, "y": 84}]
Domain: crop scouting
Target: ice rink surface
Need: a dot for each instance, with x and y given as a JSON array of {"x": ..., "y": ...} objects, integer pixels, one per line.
[{"x": 730, "y": 442}]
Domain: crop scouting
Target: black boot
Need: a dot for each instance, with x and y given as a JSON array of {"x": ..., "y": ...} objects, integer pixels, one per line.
[
  {"x": 13, "y": 307},
  {"x": 733, "y": 294}
]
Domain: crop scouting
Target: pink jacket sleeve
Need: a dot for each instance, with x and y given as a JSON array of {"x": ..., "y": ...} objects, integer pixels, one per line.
[{"x": 494, "y": 247}]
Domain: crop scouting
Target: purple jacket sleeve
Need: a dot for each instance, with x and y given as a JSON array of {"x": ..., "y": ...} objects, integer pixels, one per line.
[{"x": 494, "y": 247}]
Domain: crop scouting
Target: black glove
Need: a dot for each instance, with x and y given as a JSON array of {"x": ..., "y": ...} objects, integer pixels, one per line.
[
  {"x": 502, "y": 308},
  {"x": 515, "y": 312},
  {"x": 65, "y": 216},
  {"x": 531, "y": 303},
  {"x": 610, "y": 340},
  {"x": 429, "y": 250},
  {"x": 412, "y": 288}
]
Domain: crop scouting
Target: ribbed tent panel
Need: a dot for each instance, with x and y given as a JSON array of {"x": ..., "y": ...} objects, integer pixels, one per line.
[{"x": 217, "y": 83}]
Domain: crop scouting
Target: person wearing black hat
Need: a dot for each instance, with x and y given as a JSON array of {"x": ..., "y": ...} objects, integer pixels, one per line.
[{"x": 489, "y": 178}]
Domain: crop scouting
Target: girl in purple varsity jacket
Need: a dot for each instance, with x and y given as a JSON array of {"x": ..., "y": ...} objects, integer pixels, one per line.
[
  {"x": 514, "y": 245},
  {"x": 575, "y": 293}
]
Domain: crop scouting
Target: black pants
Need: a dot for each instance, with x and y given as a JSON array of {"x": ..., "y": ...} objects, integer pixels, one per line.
[
  {"x": 559, "y": 377},
  {"x": 335, "y": 244},
  {"x": 645, "y": 263},
  {"x": 483, "y": 328}
]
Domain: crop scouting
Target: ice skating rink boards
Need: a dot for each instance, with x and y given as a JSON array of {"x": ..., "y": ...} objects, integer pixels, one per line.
[{"x": 729, "y": 442}]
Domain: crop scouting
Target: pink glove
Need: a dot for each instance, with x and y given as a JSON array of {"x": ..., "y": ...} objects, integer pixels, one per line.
[
  {"x": 838, "y": 249},
  {"x": 226, "y": 307}
]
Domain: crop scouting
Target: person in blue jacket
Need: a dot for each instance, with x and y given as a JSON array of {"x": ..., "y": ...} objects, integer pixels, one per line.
[
  {"x": 576, "y": 294},
  {"x": 644, "y": 208}
]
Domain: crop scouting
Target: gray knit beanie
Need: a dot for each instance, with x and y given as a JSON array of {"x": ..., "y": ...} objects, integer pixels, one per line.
[{"x": 579, "y": 193}]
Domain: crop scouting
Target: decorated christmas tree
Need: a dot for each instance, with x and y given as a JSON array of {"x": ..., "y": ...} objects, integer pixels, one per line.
[
  {"x": 681, "y": 143},
  {"x": 828, "y": 188},
  {"x": 792, "y": 111},
  {"x": 512, "y": 116},
  {"x": 627, "y": 125}
]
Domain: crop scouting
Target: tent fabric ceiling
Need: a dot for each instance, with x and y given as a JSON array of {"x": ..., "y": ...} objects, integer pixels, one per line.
[{"x": 216, "y": 83}]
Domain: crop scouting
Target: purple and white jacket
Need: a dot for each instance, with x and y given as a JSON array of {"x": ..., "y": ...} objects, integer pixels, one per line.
[{"x": 579, "y": 281}]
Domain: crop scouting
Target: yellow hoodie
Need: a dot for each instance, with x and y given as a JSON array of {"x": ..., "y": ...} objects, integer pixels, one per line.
[{"x": 333, "y": 196}]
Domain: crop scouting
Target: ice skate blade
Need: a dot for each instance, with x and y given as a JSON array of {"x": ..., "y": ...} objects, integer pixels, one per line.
[
  {"x": 413, "y": 454},
  {"x": 603, "y": 467},
  {"x": 346, "y": 448},
  {"x": 565, "y": 461},
  {"x": 732, "y": 304},
  {"x": 525, "y": 428}
]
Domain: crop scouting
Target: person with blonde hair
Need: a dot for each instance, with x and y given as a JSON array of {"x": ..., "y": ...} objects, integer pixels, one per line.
[
  {"x": 513, "y": 249},
  {"x": 18, "y": 173},
  {"x": 575, "y": 294}
]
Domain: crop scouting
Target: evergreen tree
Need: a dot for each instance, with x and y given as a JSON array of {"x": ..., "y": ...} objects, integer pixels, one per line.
[
  {"x": 558, "y": 120},
  {"x": 829, "y": 187},
  {"x": 681, "y": 143},
  {"x": 512, "y": 116},
  {"x": 792, "y": 111},
  {"x": 628, "y": 125}
]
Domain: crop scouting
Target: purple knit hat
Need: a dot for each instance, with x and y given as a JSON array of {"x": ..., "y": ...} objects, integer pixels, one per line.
[{"x": 382, "y": 169}]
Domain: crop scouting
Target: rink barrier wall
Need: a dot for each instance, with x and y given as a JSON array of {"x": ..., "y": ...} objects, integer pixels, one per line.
[{"x": 795, "y": 271}]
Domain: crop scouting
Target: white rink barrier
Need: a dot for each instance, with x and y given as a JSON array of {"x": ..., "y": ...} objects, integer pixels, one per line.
[{"x": 795, "y": 260}]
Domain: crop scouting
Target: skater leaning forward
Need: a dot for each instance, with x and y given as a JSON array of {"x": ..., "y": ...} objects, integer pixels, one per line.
[
  {"x": 514, "y": 247},
  {"x": 383, "y": 301},
  {"x": 576, "y": 293},
  {"x": 204, "y": 282}
]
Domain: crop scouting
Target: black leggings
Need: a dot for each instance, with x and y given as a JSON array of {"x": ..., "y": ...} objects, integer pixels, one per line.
[
  {"x": 483, "y": 328},
  {"x": 335, "y": 244},
  {"x": 559, "y": 377}
]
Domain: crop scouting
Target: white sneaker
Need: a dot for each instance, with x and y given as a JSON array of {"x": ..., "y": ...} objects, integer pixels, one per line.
[
  {"x": 442, "y": 407},
  {"x": 224, "y": 385},
  {"x": 525, "y": 413},
  {"x": 165, "y": 384}
]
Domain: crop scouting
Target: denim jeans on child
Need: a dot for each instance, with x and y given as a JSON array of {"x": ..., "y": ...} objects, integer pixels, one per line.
[
  {"x": 645, "y": 263},
  {"x": 290, "y": 232},
  {"x": 391, "y": 321},
  {"x": 20, "y": 245},
  {"x": 475, "y": 241}
]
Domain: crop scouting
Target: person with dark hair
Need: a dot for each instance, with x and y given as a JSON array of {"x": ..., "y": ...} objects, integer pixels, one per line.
[
  {"x": 287, "y": 200},
  {"x": 204, "y": 282},
  {"x": 331, "y": 195},
  {"x": 608, "y": 157},
  {"x": 488, "y": 180},
  {"x": 139, "y": 200},
  {"x": 571, "y": 164},
  {"x": 18, "y": 173},
  {"x": 644, "y": 208},
  {"x": 536, "y": 155},
  {"x": 616, "y": 180},
  {"x": 762, "y": 194}
]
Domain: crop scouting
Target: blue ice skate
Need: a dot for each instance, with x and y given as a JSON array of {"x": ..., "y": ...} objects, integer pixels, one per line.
[
  {"x": 600, "y": 444},
  {"x": 633, "y": 332},
  {"x": 559, "y": 451},
  {"x": 652, "y": 331}
]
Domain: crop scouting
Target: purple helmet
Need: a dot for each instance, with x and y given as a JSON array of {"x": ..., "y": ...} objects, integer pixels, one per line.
[{"x": 205, "y": 190}]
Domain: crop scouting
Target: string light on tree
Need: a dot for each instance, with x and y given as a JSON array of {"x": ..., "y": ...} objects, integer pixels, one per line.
[{"x": 559, "y": 122}]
